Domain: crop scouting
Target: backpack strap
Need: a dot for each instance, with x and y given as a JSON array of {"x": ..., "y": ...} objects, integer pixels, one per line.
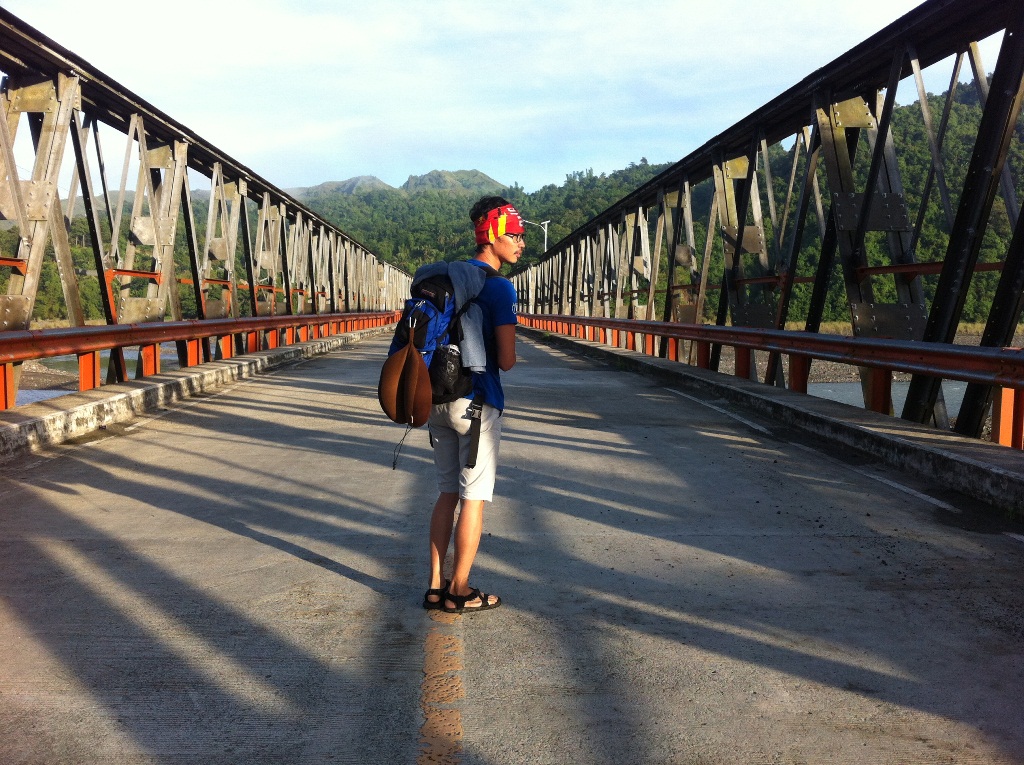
[{"x": 475, "y": 411}]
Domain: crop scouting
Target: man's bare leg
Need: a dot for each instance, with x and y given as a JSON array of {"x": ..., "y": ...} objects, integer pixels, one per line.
[
  {"x": 467, "y": 541},
  {"x": 441, "y": 522}
]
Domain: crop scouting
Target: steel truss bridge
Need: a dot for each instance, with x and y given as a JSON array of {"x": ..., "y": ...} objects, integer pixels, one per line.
[{"x": 302, "y": 277}]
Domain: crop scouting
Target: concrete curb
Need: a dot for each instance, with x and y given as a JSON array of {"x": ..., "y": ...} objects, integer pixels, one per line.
[
  {"x": 992, "y": 473},
  {"x": 47, "y": 423}
]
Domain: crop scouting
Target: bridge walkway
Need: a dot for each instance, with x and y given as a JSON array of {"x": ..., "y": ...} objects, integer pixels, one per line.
[{"x": 237, "y": 578}]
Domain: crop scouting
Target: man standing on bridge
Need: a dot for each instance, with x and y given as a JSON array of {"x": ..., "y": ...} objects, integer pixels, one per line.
[{"x": 499, "y": 239}]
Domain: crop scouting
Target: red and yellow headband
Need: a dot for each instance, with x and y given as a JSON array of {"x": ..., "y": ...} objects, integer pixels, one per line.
[{"x": 498, "y": 222}]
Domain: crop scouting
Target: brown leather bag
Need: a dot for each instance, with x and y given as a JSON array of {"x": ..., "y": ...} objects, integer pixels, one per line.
[{"x": 404, "y": 389}]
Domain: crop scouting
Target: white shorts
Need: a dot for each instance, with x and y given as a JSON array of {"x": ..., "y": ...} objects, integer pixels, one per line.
[{"x": 449, "y": 429}]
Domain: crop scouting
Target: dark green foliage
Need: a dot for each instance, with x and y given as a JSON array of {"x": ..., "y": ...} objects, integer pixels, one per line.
[
  {"x": 8, "y": 249},
  {"x": 403, "y": 229},
  {"x": 50, "y": 296},
  {"x": 469, "y": 182},
  {"x": 428, "y": 218}
]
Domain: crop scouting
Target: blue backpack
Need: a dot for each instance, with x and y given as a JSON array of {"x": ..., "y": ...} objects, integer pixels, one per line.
[{"x": 431, "y": 320}]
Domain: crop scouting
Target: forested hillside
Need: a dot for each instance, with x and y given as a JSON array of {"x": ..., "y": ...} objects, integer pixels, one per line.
[{"x": 426, "y": 219}]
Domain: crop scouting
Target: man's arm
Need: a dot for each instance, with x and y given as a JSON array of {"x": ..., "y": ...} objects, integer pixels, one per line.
[{"x": 505, "y": 342}]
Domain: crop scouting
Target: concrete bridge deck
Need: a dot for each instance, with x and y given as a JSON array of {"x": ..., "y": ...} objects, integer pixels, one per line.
[{"x": 236, "y": 579}]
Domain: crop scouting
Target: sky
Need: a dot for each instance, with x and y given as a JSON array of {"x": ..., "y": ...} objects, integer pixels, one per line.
[{"x": 309, "y": 91}]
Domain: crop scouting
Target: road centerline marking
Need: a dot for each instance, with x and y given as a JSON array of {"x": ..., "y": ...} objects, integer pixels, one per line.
[{"x": 441, "y": 733}]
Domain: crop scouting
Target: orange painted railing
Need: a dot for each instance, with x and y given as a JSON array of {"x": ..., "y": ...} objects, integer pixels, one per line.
[
  {"x": 230, "y": 337},
  {"x": 1002, "y": 368}
]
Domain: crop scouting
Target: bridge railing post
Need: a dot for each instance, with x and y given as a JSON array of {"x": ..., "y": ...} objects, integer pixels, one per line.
[
  {"x": 1008, "y": 417},
  {"x": 880, "y": 391},
  {"x": 89, "y": 370},
  {"x": 799, "y": 371},
  {"x": 703, "y": 354},
  {"x": 744, "y": 362},
  {"x": 672, "y": 352},
  {"x": 149, "y": 360},
  {"x": 8, "y": 393},
  {"x": 194, "y": 351}
]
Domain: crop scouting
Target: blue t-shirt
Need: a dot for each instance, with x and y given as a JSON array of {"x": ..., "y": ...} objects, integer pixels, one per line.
[{"x": 498, "y": 301}]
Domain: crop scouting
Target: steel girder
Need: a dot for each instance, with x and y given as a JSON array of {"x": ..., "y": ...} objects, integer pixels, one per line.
[{"x": 840, "y": 122}]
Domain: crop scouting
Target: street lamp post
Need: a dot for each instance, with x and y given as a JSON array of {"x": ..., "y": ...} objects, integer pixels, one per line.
[{"x": 544, "y": 225}]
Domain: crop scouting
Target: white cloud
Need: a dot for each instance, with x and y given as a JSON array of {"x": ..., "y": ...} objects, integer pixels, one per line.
[{"x": 306, "y": 91}]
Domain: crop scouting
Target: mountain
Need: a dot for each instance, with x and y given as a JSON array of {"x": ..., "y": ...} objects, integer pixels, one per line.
[
  {"x": 459, "y": 182},
  {"x": 357, "y": 185},
  {"x": 469, "y": 182}
]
